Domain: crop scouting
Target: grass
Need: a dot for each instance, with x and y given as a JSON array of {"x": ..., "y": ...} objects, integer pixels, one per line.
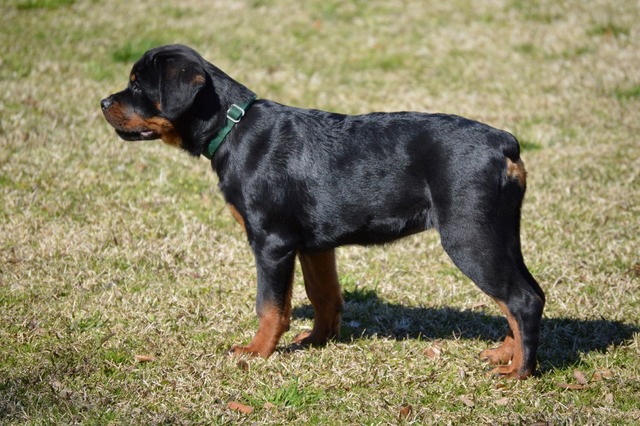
[
  {"x": 110, "y": 250},
  {"x": 43, "y": 4}
]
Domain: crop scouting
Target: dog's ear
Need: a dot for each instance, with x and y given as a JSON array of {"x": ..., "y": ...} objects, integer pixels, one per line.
[{"x": 180, "y": 82}]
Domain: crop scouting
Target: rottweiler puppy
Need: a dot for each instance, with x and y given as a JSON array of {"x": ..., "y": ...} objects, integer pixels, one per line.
[{"x": 302, "y": 182}]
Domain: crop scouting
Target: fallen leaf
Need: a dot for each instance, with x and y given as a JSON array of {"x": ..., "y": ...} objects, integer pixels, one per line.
[
  {"x": 405, "y": 411},
  {"x": 144, "y": 358},
  {"x": 606, "y": 374},
  {"x": 572, "y": 386},
  {"x": 268, "y": 406},
  {"x": 608, "y": 398},
  {"x": 432, "y": 352},
  {"x": 466, "y": 401},
  {"x": 580, "y": 377},
  {"x": 502, "y": 401},
  {"x": 236, "y": 406},
  {"x": 243, "y": 365}
]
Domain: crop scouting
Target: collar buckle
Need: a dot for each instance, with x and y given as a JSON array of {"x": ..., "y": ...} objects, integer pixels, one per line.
[{"x": 235, "y": 113}]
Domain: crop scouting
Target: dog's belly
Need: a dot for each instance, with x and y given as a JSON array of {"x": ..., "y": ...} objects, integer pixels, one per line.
[
  {"x": 362, "y": 225},
  {"x": 380, "y": 231}
]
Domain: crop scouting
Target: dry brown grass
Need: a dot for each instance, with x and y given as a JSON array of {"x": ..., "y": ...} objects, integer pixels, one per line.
[{"x": 110, "y": 250}]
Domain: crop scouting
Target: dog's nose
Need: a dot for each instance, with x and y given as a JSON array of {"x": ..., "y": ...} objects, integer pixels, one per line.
[{"x": 106, "y": 103}]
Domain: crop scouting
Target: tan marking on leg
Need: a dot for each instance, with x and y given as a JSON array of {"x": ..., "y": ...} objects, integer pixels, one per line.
[
  {"x": 512, "y": 370},
  {"x": 273, "y": 324},
  {"x": 517, "y": 171},
  {"x": 236, "y": 214},
  {"x": 323, "y": 290},
  {"x": 502, "y": 354}
]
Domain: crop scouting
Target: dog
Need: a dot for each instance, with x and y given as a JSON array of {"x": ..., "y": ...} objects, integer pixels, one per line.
[{"x": 302, "y": 182}]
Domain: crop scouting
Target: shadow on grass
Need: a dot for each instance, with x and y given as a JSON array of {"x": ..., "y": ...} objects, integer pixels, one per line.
[{"x": 562, "y": 339}]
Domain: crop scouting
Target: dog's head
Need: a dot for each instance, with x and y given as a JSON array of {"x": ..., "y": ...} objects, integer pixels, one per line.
[{"x": 174, "y": 95}]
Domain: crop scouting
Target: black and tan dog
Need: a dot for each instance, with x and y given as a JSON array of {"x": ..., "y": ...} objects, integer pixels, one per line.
[{"x": 303, "y": 182}]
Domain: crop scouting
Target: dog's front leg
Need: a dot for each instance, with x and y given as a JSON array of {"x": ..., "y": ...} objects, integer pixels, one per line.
[{"x": 273, "y": 303}]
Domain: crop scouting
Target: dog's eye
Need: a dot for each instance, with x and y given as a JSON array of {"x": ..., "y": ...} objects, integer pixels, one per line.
[{"x": 135, "y": 87}]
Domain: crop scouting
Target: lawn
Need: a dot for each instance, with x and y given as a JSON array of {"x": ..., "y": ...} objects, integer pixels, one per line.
[{"x": 124, "y": 279}]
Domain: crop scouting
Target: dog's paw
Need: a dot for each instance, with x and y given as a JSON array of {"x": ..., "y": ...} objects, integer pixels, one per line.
[
  {"x": 496, "y": 356},
  {"x": 303, "y": 338},
  {"x": 311, "y": 338},
  {"x": 510, "y": 372},
  {"x": 249, "y": 350}
]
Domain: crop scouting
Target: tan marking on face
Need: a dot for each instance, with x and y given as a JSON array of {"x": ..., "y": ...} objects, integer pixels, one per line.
[
  {"x": 160, "y": 125},
  {"x": 517, "y": 171},
  {"x": 115, "y": 115},
  {"x": 198, "y": 79},
  {"x": 172, "y": 138},
  {"x": 125, "y": 120},
  {"x": 132, "y": 77},
  {"x": 163, "y": 127}
]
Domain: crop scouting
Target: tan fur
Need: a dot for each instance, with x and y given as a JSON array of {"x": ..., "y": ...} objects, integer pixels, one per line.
[{"x": 517, "y": 171}]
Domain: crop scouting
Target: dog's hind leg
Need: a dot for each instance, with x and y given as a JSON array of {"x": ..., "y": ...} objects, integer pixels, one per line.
[
  {"x": 519, "y": 298},
  {"x": 323, "y": 290},
  {"x": 481, "y": 234}
]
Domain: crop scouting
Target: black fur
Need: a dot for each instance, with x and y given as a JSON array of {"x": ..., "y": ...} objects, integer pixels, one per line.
[{"x": 307, "y": 181}]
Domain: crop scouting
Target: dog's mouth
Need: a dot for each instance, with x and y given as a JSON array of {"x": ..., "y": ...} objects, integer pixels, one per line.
[{"x": 143, "y": 135}]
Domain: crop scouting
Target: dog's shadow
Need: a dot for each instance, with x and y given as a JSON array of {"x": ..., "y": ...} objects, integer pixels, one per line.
[{"x": 563, "y": 340}]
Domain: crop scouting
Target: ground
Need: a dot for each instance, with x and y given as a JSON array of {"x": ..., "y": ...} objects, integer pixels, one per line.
[{"x": 124, "y": 280}]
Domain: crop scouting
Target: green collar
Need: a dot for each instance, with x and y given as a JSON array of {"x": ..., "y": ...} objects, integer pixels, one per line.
[{"x": 234, "y": 115}]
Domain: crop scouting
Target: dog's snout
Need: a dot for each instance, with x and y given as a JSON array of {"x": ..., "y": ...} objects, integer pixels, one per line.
[{"x": 106, "y": 103}]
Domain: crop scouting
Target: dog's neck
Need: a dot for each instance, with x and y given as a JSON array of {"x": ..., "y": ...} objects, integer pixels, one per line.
[{"x": 234, "y": 115}]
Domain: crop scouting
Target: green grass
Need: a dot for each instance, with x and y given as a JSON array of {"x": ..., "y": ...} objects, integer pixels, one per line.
[
  {"x": 609, "y": 29},
  {"x": 132, "y": 51},
  {"x": 43, "y": 4},
  {"x": 628, "y": 93},
  {"x": 110, "y": 250}
]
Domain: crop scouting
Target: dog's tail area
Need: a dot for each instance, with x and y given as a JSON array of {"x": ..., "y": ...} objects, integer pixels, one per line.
[
  {"x": 510, "y": 146},
  {"x": 515, "y": 170}
]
